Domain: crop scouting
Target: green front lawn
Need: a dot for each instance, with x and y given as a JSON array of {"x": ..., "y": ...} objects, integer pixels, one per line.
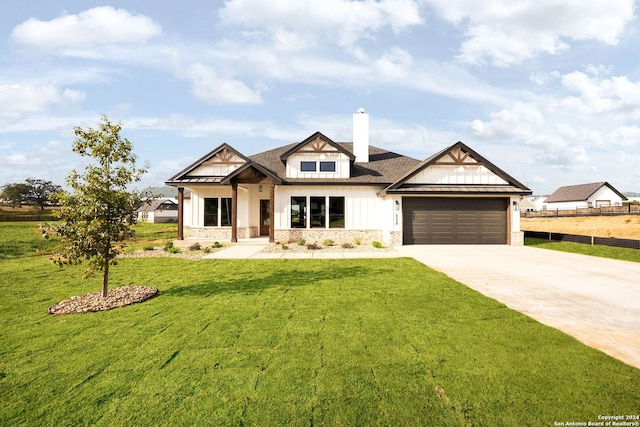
[
  {"x": 287, "y": 342},
  {"x": 624, "y": 254}
]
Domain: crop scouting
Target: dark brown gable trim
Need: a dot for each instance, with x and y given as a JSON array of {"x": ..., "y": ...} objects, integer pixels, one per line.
[{"x": 319, "y": 143}]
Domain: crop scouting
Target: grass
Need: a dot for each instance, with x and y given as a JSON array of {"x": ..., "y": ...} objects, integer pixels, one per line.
[
  {"x": 287, "y": 342},
  {"x": 624, "y": 254}
]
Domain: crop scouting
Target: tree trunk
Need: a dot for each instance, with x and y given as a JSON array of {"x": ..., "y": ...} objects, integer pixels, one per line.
[{"x": 105, "y": 279}]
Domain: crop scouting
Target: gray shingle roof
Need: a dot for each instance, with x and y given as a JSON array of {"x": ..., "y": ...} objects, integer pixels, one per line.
[
  {"x": 384, "y": 167},
  {"x": 577, "y": 193}
]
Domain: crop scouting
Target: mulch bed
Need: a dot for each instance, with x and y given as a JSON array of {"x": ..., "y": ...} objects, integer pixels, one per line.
[{"x": 117, "y": 297}]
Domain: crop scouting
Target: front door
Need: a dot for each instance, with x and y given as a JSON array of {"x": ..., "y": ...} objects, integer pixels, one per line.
[{"x": 265, "y": 217}]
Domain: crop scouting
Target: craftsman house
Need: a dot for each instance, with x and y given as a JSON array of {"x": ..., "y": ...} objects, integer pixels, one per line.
[
  {"x": 319, "y": 189},
  {"x": 592, "y": 195}
]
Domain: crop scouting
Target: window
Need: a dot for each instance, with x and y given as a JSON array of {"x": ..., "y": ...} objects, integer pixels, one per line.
[
  {"x": 225, "y": 212},
  {"x": 217, "y": 212},
  {"x": 298, "y": 212},
  {"x": 336, "y": 212},
  {"x": 321, "y": 208},
  {"x": 211, "y": 212},
  {"x": 327, "y": 166},
  {"x": 307, "y": 166},
  {"x": 318, "y": 210}
]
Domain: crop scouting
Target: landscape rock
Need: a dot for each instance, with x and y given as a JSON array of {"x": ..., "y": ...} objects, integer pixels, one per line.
[{"x": 91, "y": 302}]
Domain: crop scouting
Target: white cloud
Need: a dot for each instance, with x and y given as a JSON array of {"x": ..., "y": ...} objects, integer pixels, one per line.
[
  {"x": 17, "y": 99},
  {"x": 98, "y": 26},
  {"x": 339, "y": 21},
  {"x": 624, "y": 136},
  {"x": 505, "y": 32},
  {"x": 617, "y": 95},
  {"x": 213, "y": 88},
  {"x": 519, "y": 122}
]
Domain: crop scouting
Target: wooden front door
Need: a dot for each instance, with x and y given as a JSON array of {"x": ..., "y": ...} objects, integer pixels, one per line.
[{"x": 265, "y": 216}]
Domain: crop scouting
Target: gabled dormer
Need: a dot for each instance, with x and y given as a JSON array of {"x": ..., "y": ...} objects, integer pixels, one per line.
[
  {"x": 317, "y": 157},
  {"x": 212, "y": 167}
]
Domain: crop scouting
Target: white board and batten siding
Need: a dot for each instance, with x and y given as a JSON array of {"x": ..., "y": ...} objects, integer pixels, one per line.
[
  {"x": 343, "y": 165},
  {"x": 363, "y": 210},
  {"x": 470, "y": 174},
  {"x": 218, "y": 167}
]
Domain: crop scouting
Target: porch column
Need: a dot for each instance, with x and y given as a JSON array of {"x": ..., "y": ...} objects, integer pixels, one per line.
[
  {"x": 272, "y": 206},
  {"x": 234, "y": 212},
  {"x": 180, "y": 213}
]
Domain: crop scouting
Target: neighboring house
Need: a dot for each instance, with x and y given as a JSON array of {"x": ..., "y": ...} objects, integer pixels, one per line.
[
  {"x": 593, "y": 195},
  {"x": 158, "y": 211},
  {"x": 527, "y": 205},
  {"x": 319, "y": 189}
]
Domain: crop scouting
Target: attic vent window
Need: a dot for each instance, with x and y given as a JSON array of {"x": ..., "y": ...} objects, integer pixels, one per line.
[{"x": 307, "y": 166}]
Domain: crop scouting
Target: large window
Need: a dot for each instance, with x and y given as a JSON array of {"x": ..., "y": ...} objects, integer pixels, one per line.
[
  {"x": 336, "y": 212},
  {"x": 211, "y": 212},
  {"x": 225, "y": 212},
  {"x": 217, "y": 211},
  {"x": 298, "y": 212},
  {"x": 318, "y": 210},
  {"x": 324, "y": 212}
]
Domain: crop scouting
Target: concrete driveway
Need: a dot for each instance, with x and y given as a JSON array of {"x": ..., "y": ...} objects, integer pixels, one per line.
[{"x": 595, "y": 300}]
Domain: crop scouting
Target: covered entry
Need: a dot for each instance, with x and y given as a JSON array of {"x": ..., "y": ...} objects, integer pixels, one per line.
[{"x": 441, "y": 220}]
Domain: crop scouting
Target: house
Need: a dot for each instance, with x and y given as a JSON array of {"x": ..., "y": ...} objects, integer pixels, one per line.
[
  {"x": 593, "y": 195},
  {"x": 158, "y": 211},
  {"x": 527, "y": 205},
  {"x": 318, "y": 189}
]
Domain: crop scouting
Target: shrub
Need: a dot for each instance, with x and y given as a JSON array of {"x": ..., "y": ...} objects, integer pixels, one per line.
[
  {"x": 148, "y": 247},
  {"x": 284, "y": 247},
  {"x": 313, "y": 246},
  {"x": 327, "y": 242},
  {"x": 168, "y": 246},
  {"x": 173, "y": 250},
  {"x": 195, "y": 247},
  {"x": 300, "y": 241},
  {"x": 207, "y": 250},
  {"x": 357, "y": 241},
  {"x": 217, "y": 245},
  {"x": 377, "y": 245},
  {"x": 347, "y": 245}
]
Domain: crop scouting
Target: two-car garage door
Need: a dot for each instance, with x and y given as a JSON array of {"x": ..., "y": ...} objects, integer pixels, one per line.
[{"x": 454, "y": 220}]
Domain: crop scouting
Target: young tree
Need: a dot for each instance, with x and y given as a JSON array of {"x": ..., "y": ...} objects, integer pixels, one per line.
[{"x": 99, "y": 210}]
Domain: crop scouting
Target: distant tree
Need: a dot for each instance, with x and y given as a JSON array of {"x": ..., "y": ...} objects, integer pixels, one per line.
[
  {"x": 16, "y": 194},
  {"x": 42, "y": 192},
  {"x": 98, "y": 212}
]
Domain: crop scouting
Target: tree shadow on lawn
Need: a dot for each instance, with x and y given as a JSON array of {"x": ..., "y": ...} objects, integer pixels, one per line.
[{"x": 252, "y": 277}]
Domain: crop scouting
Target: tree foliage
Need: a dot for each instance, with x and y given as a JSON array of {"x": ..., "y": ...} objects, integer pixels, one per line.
[
  {"x": 98, "y": 212},
  {"x": 33, "y": 191},
  {"x": 16, "y": 194}
]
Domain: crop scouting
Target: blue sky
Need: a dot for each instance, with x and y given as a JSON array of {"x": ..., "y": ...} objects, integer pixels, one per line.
[{"x": 548, "y": 90}]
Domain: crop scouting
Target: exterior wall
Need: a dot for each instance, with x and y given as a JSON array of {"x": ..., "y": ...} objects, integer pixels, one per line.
[
  {"x": 458, "y": 174},
  {"x": 217, "y": 167},
  {"x": 343, "y": 165},
  {"x": 604, "y": 193},
  {"x": 367, "y": 216}
]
